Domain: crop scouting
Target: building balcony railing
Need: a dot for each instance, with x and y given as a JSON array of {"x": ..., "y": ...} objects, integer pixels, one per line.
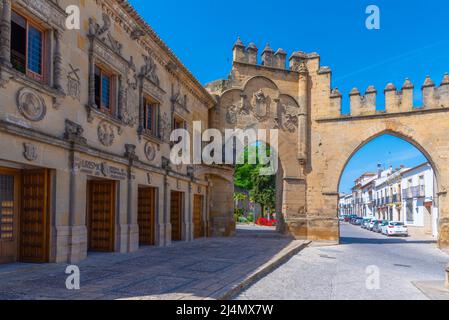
[{"x": 414, "y": 192}]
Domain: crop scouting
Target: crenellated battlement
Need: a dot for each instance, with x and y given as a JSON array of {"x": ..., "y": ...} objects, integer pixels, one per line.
[
  {"x": 434, "y": 97},
  {"x": 270, "y": 58}
]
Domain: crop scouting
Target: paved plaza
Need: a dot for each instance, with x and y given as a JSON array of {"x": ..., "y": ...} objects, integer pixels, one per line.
[
  {"x": 203, "y": 269},
  {"x": 409, "y": 269}
]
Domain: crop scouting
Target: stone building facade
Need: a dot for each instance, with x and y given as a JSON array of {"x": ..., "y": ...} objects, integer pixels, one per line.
[{"x": 85, "y": 123}]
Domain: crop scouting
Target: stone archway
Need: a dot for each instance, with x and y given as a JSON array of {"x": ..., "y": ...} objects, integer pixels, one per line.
[{"x": 316, "y": 141}]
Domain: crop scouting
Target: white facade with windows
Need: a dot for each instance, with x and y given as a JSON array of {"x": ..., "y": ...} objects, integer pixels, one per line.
[{"x": 419, "y": 210}]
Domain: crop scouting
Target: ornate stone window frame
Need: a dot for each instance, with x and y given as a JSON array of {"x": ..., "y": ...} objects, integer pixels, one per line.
[
  {"x": 179, "y": 102},
  {"x": 49, "y": 15},
  {"x": 149, "y": 86},
  {"x": 105, "y": 51}
]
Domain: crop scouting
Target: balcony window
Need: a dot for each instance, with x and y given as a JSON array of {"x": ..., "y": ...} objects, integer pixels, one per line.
[{"x": 27, "y": 47}]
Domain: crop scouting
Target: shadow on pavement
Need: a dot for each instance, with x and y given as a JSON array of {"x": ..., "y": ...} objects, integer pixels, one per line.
[{"x": 353, "y": 240}]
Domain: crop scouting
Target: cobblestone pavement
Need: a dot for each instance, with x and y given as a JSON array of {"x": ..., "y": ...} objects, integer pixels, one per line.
[
  {"x": 205, "y": 268},
  {"x": 340, "y": 272}
]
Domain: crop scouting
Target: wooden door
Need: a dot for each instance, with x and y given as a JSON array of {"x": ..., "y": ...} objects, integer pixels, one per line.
[
  {"x": 198, "y": 231},
  {"x": 9, "y": 214},
  {"x": 101, "y": 219},
  {"x": 34, "y": 216},
  {"x": 176, "y": 216},
  {"x": 146, "y": 216}
]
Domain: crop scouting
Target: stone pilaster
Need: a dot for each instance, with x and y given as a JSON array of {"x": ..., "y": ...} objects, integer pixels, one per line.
[
  {"x": 57, "y": 60},
  {"x": 165, "y": 224},
  {"x": 303, "y": 113},
  {"x": 91, "y": 76},
  {"x": 5, "y": 31},
  {"x": 77, "y": 228}
]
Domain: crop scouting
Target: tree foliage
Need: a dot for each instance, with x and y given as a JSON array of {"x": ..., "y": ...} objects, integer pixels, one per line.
[{"x": 247, "y": 176}]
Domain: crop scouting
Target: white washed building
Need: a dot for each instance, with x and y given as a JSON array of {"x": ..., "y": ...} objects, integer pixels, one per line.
[{"x": 419, "y": 207}]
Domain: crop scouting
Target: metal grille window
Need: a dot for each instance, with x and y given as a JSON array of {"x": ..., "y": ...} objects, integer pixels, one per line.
[{"x": 6, "y": 207}]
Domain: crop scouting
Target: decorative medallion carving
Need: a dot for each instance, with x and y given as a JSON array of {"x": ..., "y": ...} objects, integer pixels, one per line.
[
  {"x": 150, "y": 151},
  {"x": 73, "y": 82},
  {"x": 106, "y": 134},
  {"x": 30, "y": 151},
  {"x": 31, "y": 105}
]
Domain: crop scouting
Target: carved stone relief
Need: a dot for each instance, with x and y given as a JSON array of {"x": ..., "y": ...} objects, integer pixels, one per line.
[
  {"x": 106, "y": 134},
  {"x": 73, "y": 82},
  {"x": 102, "y": 33},
  {"x": 150, "y": 151},
  {"x": 31, "y": 105},
  {"x": 30, "y": 151},
  {"x": 165, "y": 127},
  {"x": 149, "y": 70},
  {"x": 261, "y": 104}
]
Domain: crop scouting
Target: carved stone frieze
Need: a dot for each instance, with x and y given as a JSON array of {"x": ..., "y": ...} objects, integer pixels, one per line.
[{"x": 48, "y": 11}]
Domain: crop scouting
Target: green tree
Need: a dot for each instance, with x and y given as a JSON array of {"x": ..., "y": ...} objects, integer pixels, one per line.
[{"x": 247, "y": 176}]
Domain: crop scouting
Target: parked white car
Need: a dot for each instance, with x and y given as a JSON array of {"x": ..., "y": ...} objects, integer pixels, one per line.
[
  {"x": 371, "y": 225},
  {"x": 395, "y": 228}
]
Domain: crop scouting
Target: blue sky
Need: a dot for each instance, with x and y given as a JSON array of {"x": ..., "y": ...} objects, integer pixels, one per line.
[{"x": 413, "y": 41}]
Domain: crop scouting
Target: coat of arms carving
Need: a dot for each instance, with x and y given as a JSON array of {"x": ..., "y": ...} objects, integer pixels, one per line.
[
  {"x": 261, "y": 104},
  {"x": 30, "y": 151},
  {"x": 106, "y": 134}
]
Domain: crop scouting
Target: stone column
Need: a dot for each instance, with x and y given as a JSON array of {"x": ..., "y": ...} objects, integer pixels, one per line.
[
  {"x": 91, "y": 75},
  {"x": 77, "y": 205},
  {"x": 133, "y": 241},
  {"x": 5, "y": 31},
  {"x": 57, "y": 74},
  {"x": 189, "y": 221},
  {"x": 303, "y": 100},
  {"x": 166, "y": 223},
  {"x": 141, "y": 106}
]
